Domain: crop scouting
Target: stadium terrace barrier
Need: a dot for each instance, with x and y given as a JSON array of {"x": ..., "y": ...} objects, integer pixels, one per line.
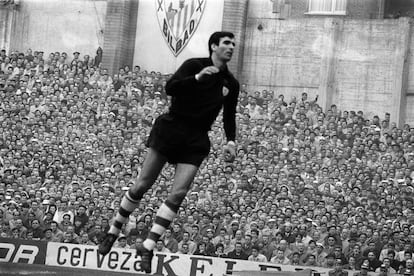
[
  {"x": 125, "y": 260},
  {"x": 306, "y": 272},
  {"x": 22, "y": 251}
]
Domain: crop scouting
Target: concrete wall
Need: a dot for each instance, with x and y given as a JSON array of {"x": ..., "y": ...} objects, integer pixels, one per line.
[
  {"x": 368, "y": 66},
  {"x": 356, "y": 9},
  {"x": 284, "y": 56},
  {"x": 59, "y": 25},
  {"x": 151, "y": 49},
  {"x": 7, "y": 15},
  {"x": 357, "y": 64},
  {"x": 409, "y": 110},
  {"x": 234, "y": 20},
  {"x": 120, "y": 34}
]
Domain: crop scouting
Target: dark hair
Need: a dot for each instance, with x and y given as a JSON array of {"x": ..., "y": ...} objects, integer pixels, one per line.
[{"x": 215, "y": 39}]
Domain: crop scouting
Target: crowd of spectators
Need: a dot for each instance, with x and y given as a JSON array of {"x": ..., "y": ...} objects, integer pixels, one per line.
[{"x": 309, "y": 186}]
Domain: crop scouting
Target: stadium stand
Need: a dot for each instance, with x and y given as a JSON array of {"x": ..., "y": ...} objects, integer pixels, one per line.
[{"x": 310, "y": 187}]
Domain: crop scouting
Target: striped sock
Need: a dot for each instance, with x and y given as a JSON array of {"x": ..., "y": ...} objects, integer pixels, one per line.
[
  {"x": 165, "y": 215},
  {"x": 127, "y": 206}
]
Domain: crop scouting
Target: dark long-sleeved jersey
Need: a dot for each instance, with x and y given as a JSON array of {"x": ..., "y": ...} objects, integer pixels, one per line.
[{"x": 199, "y": 103}]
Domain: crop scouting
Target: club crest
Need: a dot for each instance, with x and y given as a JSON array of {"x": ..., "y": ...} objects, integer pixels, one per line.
[
  {"x": 178, "y": 20},
  {"x": 225, "y": 91}
]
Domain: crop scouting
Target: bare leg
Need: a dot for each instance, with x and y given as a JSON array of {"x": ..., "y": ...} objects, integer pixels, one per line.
[
  {"x": 184, "y": 175},
  {"x": 183, "y": 178},
  {"x": 153, "y": 164}
]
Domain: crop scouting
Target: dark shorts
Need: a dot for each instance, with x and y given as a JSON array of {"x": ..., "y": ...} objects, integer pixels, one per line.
[{"x": 178, "y": 141}]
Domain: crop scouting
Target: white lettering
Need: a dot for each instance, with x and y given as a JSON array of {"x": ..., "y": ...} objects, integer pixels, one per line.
[
  {"x": 26, "y": 252},
  {"x": 10, "y": 249}
]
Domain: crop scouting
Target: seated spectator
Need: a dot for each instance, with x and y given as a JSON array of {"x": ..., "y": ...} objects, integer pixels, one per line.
[
  {"x": 37, "y": 230},
  {"x": 184, "y": 249},
  {"x": 338, "y": 270},
  {"x": 374, "y": 263},
  {"x": 386, "y": 267},
  {"x": 160, "y": 247},
  {"x": 237, "y": 253},
  {"x": 364, "y": 269},
  {"x": 170, "y": 242},
  {"x": 256, "y": 256},
  {"x": 280, "y": 258},
  {"x": 219, "y": 251},
  {"x": 121, "y": 242},
  {"x": 192, "y": 246}
]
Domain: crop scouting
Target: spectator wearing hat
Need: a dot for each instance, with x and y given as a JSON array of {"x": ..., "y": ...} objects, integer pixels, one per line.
[{"x": 122, "y": 242}]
